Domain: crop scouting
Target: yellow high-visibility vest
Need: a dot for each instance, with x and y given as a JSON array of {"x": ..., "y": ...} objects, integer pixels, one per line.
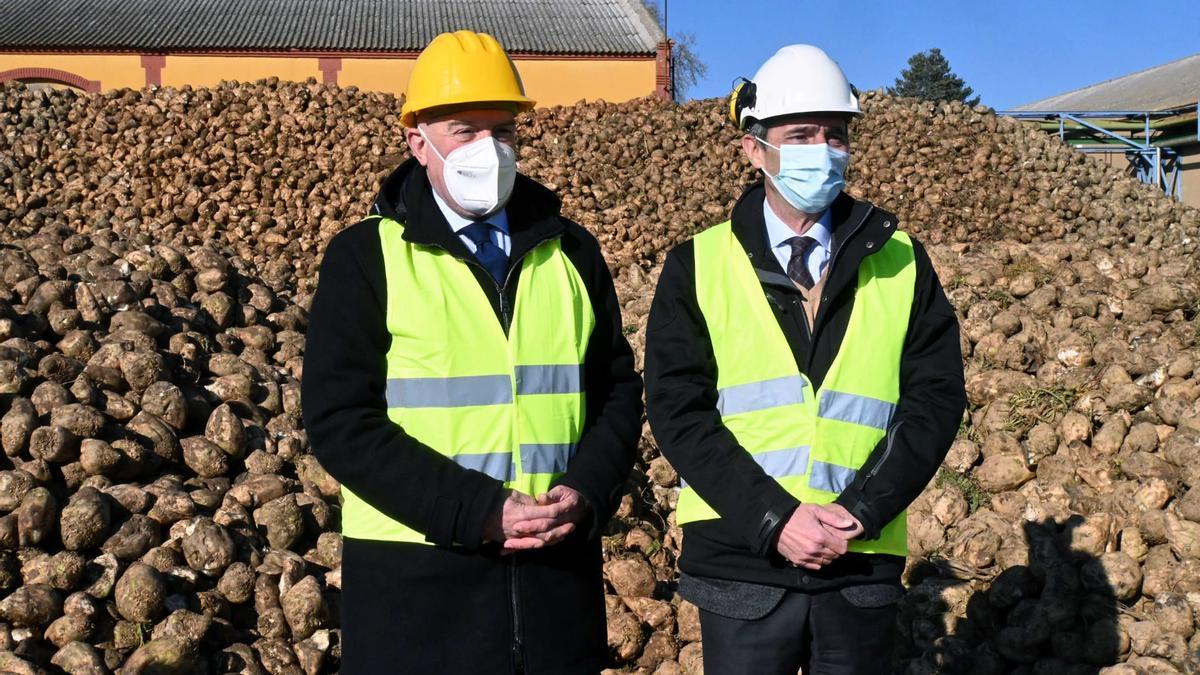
[
  {"x": 812, "y": 442},
  {"x": 511, "y": 406}
]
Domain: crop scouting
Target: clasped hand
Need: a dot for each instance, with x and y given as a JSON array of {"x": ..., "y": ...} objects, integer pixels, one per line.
[
  {"x": 817, "y": 534},
  {"x": 523, "y": 523}
]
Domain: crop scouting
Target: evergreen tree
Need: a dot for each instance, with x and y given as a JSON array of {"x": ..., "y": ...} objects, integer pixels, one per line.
[
  {"x": 686, "y": 63},
  {"x": 929, "y": 77}
]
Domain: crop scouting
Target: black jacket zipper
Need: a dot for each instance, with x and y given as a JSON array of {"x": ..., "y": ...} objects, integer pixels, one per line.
[
  {"x": 887, "y": 451},
  {"x": 891, "y": 436},
  {"x": 811, "y": 331},
  {"x": 505, "y": 310},
  {"x": 518, "y": 649},
  {"x": 821, "y": 310},
  {"x": 514, "y": 596}
]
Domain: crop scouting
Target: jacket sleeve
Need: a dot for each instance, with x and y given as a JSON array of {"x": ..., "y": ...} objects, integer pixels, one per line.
[
  {"x": 932, "y": 399},
  {"x": 613, "y": 396},
  {"x": 345, "y": 412},
  {"x": 681, "y": 399}
]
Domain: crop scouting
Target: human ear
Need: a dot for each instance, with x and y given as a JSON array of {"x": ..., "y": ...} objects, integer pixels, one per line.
[
  {"x": 417, "y": 144},
  {"x": 753, "y": 150}
]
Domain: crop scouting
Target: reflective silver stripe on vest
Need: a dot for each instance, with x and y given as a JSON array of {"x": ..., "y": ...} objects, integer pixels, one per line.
[
  {"x": 830, "y": 477},
  {"x": 556, "y": 379},
  {"x": 546, "y": 457},
  {"x": 498, "y": 465},
  {"x": 864, "y": 410},
  {"x": 783, "y": 463},
  {"x": 779, "y": 463},
  {"x": 448, "y": 392},
  {"x": 754, "y": 396}
]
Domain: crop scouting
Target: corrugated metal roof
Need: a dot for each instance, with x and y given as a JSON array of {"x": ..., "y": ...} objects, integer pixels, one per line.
[
  {"x": 528, "y": 26},
  {"x": 1171, "y": 85}
]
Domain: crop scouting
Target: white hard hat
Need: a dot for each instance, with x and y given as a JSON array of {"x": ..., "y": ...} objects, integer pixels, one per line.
[{"x": 798, "y": 79}]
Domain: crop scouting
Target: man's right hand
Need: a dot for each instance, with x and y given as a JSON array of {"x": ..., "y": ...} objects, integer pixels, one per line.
[
  {"x": 519, "y": 507},
  {"x": 805, "y": 540}
]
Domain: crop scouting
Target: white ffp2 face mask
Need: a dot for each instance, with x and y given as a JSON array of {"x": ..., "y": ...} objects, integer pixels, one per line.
[{"x": 479, "y": 175}]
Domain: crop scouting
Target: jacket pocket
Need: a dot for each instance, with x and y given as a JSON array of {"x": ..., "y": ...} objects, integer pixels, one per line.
[{"x": 873, "y": 596}]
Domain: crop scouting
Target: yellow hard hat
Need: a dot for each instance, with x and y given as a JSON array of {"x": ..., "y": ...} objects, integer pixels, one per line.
[{"x": 462, "y": 67}]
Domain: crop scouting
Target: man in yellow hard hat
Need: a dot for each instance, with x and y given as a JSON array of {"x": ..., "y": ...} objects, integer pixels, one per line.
[{"x": 468, "y": 383}]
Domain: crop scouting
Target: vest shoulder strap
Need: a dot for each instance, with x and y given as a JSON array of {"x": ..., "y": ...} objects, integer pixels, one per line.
[
  {"x": 896, "y": 254},
  {"x": 713, "y": 234}
]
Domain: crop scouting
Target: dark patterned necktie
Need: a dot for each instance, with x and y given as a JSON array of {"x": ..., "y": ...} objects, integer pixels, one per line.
[
  {"x": 492, "y": 257},
  {"x": 797, "y": 267}
]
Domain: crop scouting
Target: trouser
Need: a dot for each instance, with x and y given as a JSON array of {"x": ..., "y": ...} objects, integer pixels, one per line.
[
  {"x": 838, "y": 632},
  {"x": 411, "y": 609}
]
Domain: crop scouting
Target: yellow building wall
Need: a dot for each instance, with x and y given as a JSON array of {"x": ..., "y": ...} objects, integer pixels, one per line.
[
  {"x": 376, "y": 74},
  {"x": 549, "y": 81},
  {"x": 207, "y": 71},
  {"x": 567, "y": 82},
  {"x": 113, "y": 71}
]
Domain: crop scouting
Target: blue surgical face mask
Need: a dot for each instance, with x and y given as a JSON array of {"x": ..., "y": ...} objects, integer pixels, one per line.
[{"x": 810, "y": 176}]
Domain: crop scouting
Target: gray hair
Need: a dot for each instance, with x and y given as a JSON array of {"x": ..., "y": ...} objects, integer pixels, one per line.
[{"x": 757, "y": 129}]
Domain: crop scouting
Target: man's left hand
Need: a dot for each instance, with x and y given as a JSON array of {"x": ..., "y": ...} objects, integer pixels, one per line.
[
  {"x": 849, "y": 532},
  {"x": 572, "y": 510}
]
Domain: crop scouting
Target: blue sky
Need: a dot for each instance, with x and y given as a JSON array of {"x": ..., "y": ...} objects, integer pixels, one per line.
[{"x": 1010, "y": 52}]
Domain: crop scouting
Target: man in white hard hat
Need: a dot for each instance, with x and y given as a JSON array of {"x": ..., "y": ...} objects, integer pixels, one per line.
[{"x": 804, "y": 376}]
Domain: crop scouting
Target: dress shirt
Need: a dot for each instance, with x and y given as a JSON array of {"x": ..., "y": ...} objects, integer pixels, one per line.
[
  {"x": 498, "y": 219},
  {"x": 778, "y": 234}
]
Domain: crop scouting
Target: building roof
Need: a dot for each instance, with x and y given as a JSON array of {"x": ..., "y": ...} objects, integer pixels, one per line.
[
  {"x": 522, "y": 26},
  {"x": 1169, "y": 86}
]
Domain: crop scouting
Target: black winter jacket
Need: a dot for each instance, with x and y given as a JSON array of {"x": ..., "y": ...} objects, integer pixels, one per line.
[
  {"x": 460, "y": 606},
  {"x": 682, "y": 395}
]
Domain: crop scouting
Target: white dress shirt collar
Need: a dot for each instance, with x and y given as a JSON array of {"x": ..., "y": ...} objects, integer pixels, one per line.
[
  {"x": 499, "y": 219},
  {"x": 778, "y": 232}
]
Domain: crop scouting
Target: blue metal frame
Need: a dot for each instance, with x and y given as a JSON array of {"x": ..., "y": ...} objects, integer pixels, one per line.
[{"x": 1152, "y": 164}]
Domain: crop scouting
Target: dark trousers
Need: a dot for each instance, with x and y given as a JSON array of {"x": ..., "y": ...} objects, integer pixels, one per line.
[
  {"x": 828, "y": 633},
  {"x": 411, "y": 609}
]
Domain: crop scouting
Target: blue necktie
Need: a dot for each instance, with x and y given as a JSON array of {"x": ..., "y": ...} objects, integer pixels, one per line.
[{"x": 492, "y": 257}]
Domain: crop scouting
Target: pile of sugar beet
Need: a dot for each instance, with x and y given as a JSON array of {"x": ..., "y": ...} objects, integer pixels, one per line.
[{"x": 160, "y": 509}]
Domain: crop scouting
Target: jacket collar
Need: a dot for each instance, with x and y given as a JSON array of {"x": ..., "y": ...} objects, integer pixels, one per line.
[
  {"x": 778, "y": 232},
  {"x": 406, "y": 196}
]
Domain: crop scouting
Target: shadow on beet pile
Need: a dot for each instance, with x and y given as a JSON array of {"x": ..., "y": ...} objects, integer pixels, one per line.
[{"x": 1058, "y": 614}]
